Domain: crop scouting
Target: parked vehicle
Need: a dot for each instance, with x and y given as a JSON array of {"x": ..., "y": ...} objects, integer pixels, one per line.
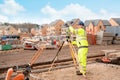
[{"x": 29, "y": 45}]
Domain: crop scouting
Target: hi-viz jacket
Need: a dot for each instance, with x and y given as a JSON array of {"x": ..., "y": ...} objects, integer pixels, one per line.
[{"x": 81, "y": 39}]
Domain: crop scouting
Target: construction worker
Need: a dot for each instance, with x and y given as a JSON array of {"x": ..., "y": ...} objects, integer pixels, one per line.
[
  {"x": 82, "y": 44},
  {"x": 20, "y": 76},
  {"x": 17, "y": 77}
]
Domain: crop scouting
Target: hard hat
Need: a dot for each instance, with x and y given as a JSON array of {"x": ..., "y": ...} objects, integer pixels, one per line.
[{"x": 81, "y": 23}]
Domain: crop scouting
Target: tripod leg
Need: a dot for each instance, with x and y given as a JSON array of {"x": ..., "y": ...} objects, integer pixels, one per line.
[
  {"x": 72, "y": 54},
  {"x": 53, "y": 61},
  {"x": 52, "y": 65},
  {"x": 37, "y": 54},
  {"x": 36, "y": 57}
]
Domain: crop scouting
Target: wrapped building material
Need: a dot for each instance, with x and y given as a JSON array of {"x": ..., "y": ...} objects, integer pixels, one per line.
[{"x": 6, "y": 47}]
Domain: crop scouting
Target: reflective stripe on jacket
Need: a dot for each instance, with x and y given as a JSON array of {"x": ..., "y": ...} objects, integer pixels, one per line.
[{"x": 80, "y": 36}]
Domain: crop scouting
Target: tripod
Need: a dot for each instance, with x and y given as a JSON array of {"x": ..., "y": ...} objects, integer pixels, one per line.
[
  {"x": 72, "y": 52},
  {"x": 73, "y": 55}
]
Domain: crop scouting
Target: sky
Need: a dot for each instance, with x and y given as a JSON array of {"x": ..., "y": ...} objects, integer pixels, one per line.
[{"x": 46, "y": 11}]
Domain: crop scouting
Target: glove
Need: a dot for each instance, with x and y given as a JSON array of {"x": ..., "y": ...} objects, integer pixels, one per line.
[{"x": 68, "y": 38}]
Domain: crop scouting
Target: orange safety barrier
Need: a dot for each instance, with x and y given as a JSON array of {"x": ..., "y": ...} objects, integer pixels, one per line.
[
  {"x": 91, "y": 39},
  {"x": 94, "y": 39}
]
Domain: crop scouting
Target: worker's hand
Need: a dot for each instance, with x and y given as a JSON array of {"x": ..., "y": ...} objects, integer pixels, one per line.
[
  {"x": 68, "y": 38},
  {"x": 66, "y": 25}
]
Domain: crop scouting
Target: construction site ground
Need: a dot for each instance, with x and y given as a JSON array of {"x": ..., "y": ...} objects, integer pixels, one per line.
[{"x": 95, "y": 71}]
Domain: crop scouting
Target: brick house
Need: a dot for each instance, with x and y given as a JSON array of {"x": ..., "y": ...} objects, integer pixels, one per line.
[
  {"x": 8, "y": 30},
  {"x": 24, "y": 30},
  {"x": 58, "y": 27},
  {"x": 94, "y": 26},
  {"x": 3, "y": 30},
  {"x": 64, "y": 28},
  {"x": 51, "y": 28},
  {"x": 12, "y": 31},
  {"x": 55, "y": 27},
  {"x": 43, "y": 30},
  {"x": 115, "y": 26},
  {"x": 75, "y": 21}
]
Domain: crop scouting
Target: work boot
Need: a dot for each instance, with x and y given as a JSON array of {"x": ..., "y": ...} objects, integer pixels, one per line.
[{"x": 78, "y": 73}]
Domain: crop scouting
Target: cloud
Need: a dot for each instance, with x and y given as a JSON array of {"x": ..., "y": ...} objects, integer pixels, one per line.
[
  {"x": 105, "y": 14},
  {"x": 49, "y": 14},
  {"x": 49, "y": 10},
  {"x": 10, "y": 7},
  {"x": 72, "y": 11},
  {"x": 3, "y": 18}
]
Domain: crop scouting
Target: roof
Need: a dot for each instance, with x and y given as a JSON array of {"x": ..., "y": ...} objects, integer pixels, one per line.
[
  {"x": 43, "y": 26},
  {"x": 4, "y": 27},
  {"x": 106, "y": 23},
  {"x": 87, "y": 22},
  {"x": 94, "y": 22},
  {"x": 117, "y": 20},
  {"x": 26, "y": 27},
  {"x": 75, "y": 20},
  {"x": 54, "y": 22},
  {"x": 70, "y": 22}
]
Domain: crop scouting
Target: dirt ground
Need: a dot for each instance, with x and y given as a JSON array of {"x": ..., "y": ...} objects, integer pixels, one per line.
[
  {"x": 95, "y": 71},
  {"x": 20, "y": 56}
]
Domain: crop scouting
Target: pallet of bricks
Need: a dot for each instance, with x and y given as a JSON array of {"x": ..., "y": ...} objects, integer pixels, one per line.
[{"x": 105, "y": 38}]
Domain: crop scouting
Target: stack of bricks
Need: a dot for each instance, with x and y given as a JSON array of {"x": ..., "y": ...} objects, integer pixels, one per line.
[
  {"x": 107, "y": 38},
  {"x": 91, "y": 39},
  {"x": 104, "y": 38},
  {"x": 117, "y": 40}
]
